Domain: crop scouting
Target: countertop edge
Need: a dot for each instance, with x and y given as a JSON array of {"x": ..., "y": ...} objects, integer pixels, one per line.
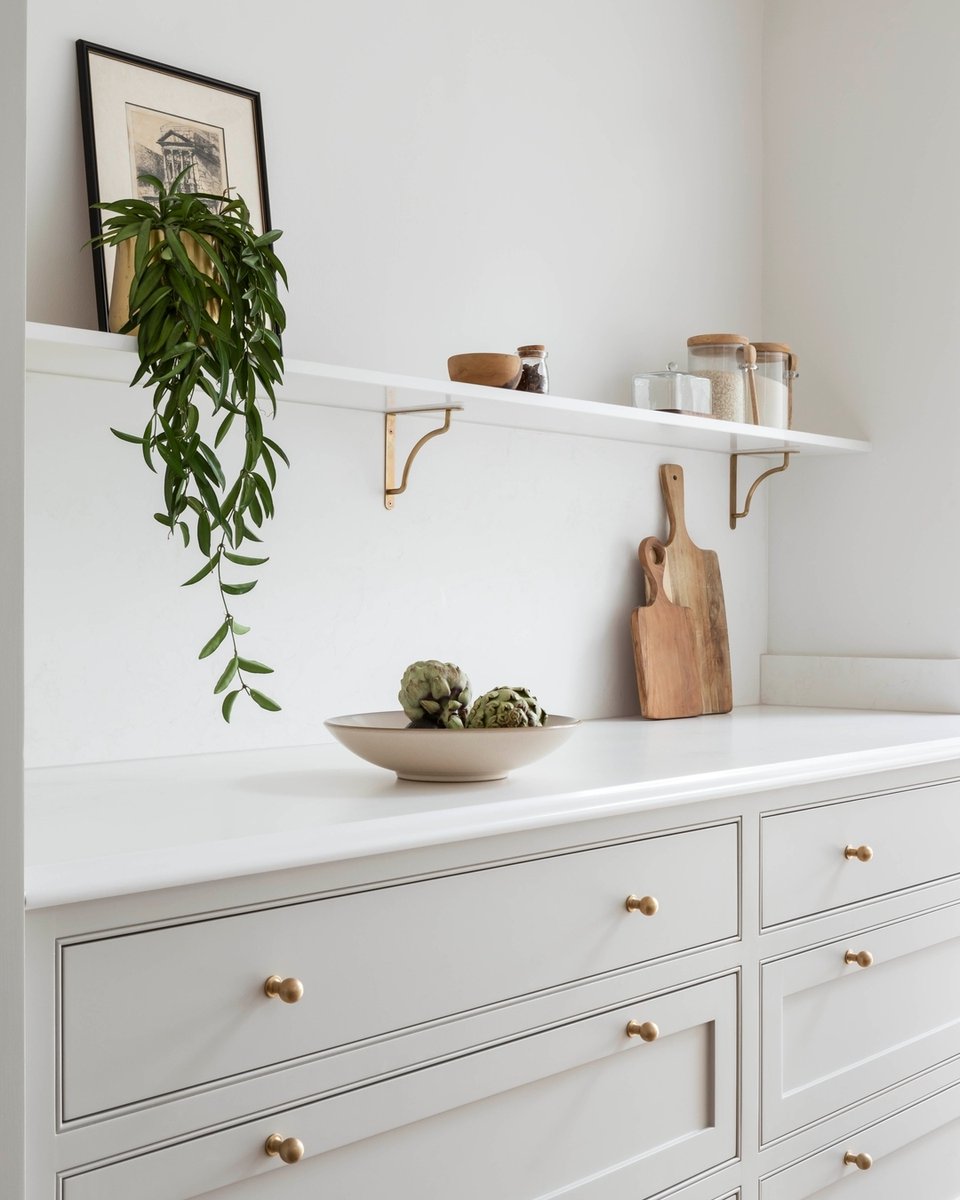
[{"x": 54, "y": 884}]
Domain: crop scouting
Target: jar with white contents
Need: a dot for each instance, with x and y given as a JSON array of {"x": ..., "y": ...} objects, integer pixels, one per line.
[
  {"x": 776, "y": 371},
  {"x": 727, "y": 360}
]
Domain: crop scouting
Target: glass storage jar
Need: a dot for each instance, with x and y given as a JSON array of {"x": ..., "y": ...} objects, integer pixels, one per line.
[
  {"x": 533, "y": 369},
  {"x": 723, "y": 358},
  {"x": 672, "y": 391},
  {"x": 776, "y": 371}
]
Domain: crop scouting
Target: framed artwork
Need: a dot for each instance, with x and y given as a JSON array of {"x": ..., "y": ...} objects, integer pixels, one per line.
[{"x": 143, "y": 118}]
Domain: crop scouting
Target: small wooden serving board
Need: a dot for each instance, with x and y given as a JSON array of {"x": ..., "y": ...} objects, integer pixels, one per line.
[
  {"x": 692, "y": 579},
  {"x": 664, "y": 646}
]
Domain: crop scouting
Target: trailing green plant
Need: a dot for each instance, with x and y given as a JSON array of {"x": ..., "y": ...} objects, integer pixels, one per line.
[{"x": 205, "y": 308}]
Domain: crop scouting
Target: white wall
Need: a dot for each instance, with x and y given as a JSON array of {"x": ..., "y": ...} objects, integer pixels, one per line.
[
  {"x": 12, "y": 216},
  {"x": 448, "y": 178},
  {"x": 862, "y": 275}
]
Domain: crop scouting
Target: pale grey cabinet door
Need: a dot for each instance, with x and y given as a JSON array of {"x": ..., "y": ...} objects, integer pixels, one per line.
[
  {"x": 578, "y": 1105},
  {"x": 834, "y": 1032},
  {"x": 150, "y": 1014},
  {"x": 914, "y": 837},
  {"x": 915, "y": 1156}
]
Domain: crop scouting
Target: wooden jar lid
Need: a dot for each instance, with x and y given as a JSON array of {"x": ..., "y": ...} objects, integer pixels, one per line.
[
  {"x": 524, "y": 351},
  {"x": 718, "y": 339},
  {"x": 772, "y": 348}
]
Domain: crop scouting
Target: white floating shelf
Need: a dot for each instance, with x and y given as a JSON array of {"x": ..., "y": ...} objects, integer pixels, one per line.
[{"x": 86, "y": 354}]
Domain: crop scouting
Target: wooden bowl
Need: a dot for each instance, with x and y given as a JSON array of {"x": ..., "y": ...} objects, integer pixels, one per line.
[{"x": 488, "y": 370}]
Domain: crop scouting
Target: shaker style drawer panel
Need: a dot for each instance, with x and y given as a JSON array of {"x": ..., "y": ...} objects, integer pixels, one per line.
[
  {"x": 149, "y": 1014},
  {"x": 913, "y": 1154},
  {"x": 835, "y": 1031},
  {"x": 529, "y": 1118},
  {"x": 810, "y": 856}
]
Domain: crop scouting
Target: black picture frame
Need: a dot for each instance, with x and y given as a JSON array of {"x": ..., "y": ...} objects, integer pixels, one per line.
[{"x": 139, "y": 116}]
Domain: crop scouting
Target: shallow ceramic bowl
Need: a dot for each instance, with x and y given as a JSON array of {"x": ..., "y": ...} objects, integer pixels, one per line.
[
  {"x": 447, "y": 755},
  {"x": 489, "y": 370}
]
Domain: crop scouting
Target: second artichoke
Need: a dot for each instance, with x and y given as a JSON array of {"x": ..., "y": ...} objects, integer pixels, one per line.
[{"x": 506, "y": 708}]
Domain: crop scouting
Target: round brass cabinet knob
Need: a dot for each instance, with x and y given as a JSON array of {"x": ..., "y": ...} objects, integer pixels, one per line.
[
  {"x": 288, "y": 990},
  {"x": 860, "y": 853},
  {"x": 288, "y": 1150},
  {"x": 863, "y": 1162},
  {"x": 647, "y": 905},
  {"x": 647, "y": 1031},
  {"x": 863, "y": 958}
]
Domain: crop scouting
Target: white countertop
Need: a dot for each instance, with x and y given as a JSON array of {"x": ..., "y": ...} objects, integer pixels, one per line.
[{"x": 115, "y": 828}]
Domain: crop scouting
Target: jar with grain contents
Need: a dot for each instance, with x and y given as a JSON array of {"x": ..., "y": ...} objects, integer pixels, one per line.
[
  {"x": 723, "y": 358},
  {"x": 776, "y": 371}
]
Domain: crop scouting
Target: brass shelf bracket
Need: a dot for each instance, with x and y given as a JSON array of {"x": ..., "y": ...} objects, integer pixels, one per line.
[
  {"x": 735, "y": 515},
  {"x": 390, "y": 487}
]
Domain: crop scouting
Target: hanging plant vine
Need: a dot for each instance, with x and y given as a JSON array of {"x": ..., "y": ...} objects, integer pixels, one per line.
[{"x": 205, "y": 308}]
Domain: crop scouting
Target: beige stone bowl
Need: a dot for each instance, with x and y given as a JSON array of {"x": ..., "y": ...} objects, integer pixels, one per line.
[
  {"x": 488, "y": 370},
  {"x": 447, "y": 755}
]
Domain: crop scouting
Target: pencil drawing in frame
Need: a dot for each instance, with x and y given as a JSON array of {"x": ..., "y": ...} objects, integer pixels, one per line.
[{"x": 144, "y": 118}]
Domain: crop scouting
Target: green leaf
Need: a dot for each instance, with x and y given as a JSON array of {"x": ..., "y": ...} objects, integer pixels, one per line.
[
  {"x": 242, "y": 560},
  {"x": 263, "y": 491},
  {"x": 254, "y": 667},
  {"x": 184, "y": 533},
  {"x": 163, "y": 519},
  {"x": 127, "y": 437},
  {"x": 264, "y": 701},
  {"x": 203, "y": 533},
  {"x": 276, "y": 449},
  {"x": 267, "y": 459},
  {"x": 204, "y": 571},
  {"x": 224, "y": 429},
  {"x": 215, "y": 640},
  {"x": 228, "y": 702},
  {"x": 239, "y": 629},
  {"x": 238, "y": 589},
  {"x": 228, "y": 673}
]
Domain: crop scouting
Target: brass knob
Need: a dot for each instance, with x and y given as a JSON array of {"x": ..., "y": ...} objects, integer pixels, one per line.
[
  {"x": 863, "y": 958},
  {"x": 288, "y": 1150},
  {"x": 288, "y": 990},
  {"x": 647, "y": 1031},
  {"x": 647, "y": 905},
  {"x": 860, "y": 853},
  {"x": 863, "y": 1162}
]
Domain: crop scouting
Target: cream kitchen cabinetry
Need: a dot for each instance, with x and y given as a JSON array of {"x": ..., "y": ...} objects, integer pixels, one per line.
[{"x": 483, "y": 1014}]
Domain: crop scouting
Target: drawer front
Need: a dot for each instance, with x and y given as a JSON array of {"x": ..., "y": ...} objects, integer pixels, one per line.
[
  {"x": 913, "y": 1154},
  {"x": 551, "y": 1111},
  {"x": 835, "y": 1032},
  {"x": 152, "y": 1013},
  {"x": 914, "y": 836}
]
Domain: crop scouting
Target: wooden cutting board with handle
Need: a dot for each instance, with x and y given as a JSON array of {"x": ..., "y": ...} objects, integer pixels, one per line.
[
  {"x": 692, "y": 579},
  {"x": 664, "y": 646}
]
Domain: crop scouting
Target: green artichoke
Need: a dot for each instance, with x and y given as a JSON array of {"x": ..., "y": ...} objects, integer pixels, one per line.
[
  {"x": 435, "y": 695},
  {"x": 506, "y": 708}
]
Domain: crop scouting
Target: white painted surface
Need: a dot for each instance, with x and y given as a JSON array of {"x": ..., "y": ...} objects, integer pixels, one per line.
[
  {"x": 861, "y": 274},
  {"x": 901, "y": 684},
  {"x": 415, "y": 228},
  {"x": 126, "y": 827},
  {"x": 12, "y": 312},
  {"x": 514, "y": 554},
  {"x": 84, "y": 354},
  {"x": 452, "y": 180}
]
